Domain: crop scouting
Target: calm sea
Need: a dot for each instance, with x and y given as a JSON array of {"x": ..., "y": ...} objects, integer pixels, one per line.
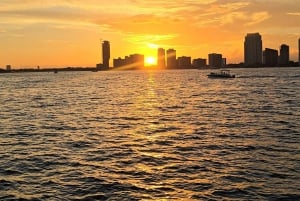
[{"x": 150, "y": 135}]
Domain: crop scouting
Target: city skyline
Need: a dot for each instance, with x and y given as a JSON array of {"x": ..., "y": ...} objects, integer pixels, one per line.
[
  {"x": 66, "y": 33},
  {"x": 254, "y": 56}
]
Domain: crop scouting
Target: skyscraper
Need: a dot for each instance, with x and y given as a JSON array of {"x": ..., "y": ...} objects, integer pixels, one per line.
[
  {"x": 215, "y": 60},
  {"x": 270, "y": 57},
  {"x": 171, "y": 59},
  {"x": 253, "y": 49},
  {"x": 161, "y": 58},
  {"x": 199, "y": 63},
  {"x": 284, "y": 56},
  {"x": 184, "y": 62},
  {"x": 105, "y": 54}
]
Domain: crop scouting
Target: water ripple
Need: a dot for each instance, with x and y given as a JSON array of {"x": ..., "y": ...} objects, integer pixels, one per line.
[{"x": 169, "y": 135}]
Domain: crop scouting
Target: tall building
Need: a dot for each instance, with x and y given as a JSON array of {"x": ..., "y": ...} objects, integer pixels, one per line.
[
  {"x": 8, "y": 67},
  {"x": 299, "y": 50},
  {"x": 119, "y": 62},
  {"x": 105, "y": 54},
  {"x": 215, "y": 60},
  {"x": 131, "y": 62},
  {"x": 270, "y": 57},
  {"x": 284, "y": 57},
  {"x": 199, "y": 63},
  {"x": 136, "y": 61},
  {"x": 253, "y": 49},
  {"x": 224, "y": 62},
  {"x": 184, "y": 62},
  {"x": 161, "y": 58},
  {"x": 171, "y": 59}
]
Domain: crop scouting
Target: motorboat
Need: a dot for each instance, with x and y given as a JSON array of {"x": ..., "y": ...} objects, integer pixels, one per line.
[{"x": 221, "y": 74}]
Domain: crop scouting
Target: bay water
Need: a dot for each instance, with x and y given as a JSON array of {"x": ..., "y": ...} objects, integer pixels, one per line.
[{"x": 150, "y": 135}]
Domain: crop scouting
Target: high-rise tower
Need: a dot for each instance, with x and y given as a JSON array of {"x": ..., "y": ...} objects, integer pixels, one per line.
[
  {"x": 284, "y": 56},
  {"x": 161, "y": 58},
  {"x": 270, "y": 57},
  {"x": 253, "y": 49},
  {"x": 171, "y": 59},
  {"x": 299, "y": 51},
  {"x": 105, "y": 54},
  {"x": 215, "y": 60}
]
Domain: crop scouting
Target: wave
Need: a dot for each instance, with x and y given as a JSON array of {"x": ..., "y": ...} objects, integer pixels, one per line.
[{"x": 256, "y": 76}]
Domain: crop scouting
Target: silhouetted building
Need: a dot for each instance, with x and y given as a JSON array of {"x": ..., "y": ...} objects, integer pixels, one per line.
[
  {"x": 199, "y": 63},
  {"x": 253, "y": 49},
  {"x": 184, "y": 62},
  {"x": 224, "y": 62},
  {"x": 215, "y": 60},
  {"x": 8, "y": 67},
  {"x": 299, "y": 51},
  {"x": 105, "y": 54},
  {"x": 131, "y": 62},
  {"x": 119, "y": 62},
  {"x": 161, "y": 58},
  {"x": 137, "y": 61},
  {"x": 284, "y": 57},
  {"x": 171, "y": 59},
  {"x": 270, "y": 57}
]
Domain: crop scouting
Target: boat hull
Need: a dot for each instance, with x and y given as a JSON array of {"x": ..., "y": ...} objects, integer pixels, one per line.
[
  {"x": 221, "y": 76},
  {"x": 224, "y": 74}
]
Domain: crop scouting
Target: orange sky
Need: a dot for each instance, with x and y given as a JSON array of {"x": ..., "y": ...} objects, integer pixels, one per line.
[{"x": 60, "y": 33}]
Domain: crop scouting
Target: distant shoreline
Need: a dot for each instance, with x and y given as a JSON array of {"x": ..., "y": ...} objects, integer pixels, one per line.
[{"x": 93, "y": 69}]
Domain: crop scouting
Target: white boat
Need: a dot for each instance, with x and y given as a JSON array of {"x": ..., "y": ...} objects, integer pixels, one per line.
[{"x": 221, "y": 74}]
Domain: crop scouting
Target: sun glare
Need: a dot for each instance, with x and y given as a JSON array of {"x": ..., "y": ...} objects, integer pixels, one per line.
[
  {"x": 152, "y": 45},
  {"x": 150, "y": 61}
]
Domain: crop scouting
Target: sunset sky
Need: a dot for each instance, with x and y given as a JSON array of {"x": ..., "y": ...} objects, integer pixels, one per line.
[{"x": 60, "y": 33}]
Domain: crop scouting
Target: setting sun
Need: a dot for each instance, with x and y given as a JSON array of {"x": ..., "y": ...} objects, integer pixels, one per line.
[{"x": 150, "y": 61}]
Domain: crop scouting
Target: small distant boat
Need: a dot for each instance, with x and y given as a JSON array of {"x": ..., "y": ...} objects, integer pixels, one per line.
[
  {"x": 55, "y": 71},
  {"x": 221, "y": 74}
]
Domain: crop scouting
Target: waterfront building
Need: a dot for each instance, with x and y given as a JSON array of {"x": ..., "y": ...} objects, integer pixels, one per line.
[
  {"x": 136, "y": 61},
  {"x": 215, "y": 60},
  {"x": 299, "y": 51},
  {"x": 171, "y": 59},
  {"x": 131, "y": 62},
  {"x": 253, "y": 49},
  {"x": 199, "y": 63},
  {"x": 224, "y": 62},
  {"x": 284, "y": 57},
  {"x": 161, "y": 58},
  {"x": 184, "y": 62},
  {"x": 105, "y": 54},
  {"x": 119, "y": 62},
  {"x": 270, "y": 57},
  {"x": 8, "y": 67}
]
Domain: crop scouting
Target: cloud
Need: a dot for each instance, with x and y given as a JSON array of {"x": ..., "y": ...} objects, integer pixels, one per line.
[
  {"x": 295, "y": 14},
  {"x": 137, "y": 13},
  {"x": 258, "y": 17},
  {"x": 148, "y": 38},
  {"x": 186, "y": 24}
]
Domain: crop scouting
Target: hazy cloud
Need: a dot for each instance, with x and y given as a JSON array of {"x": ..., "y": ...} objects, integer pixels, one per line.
[
  {"x": 297, "y": 14},
  {"x": 256, "y": 18},
  {"x": 184, "y": 22}
]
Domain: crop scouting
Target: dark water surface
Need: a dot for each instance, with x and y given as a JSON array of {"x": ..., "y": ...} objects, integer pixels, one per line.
[{"x": 150, "y": 135}]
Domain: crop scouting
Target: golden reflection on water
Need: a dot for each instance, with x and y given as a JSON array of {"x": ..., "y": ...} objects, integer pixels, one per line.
[{"x": 172, "y": 137}]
